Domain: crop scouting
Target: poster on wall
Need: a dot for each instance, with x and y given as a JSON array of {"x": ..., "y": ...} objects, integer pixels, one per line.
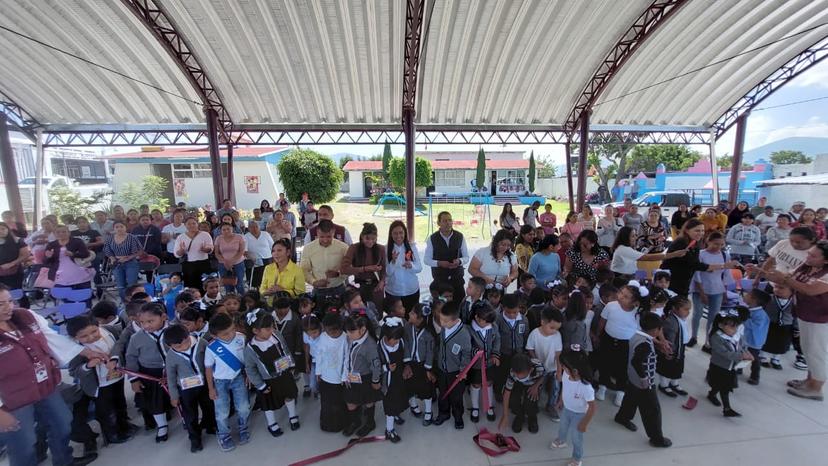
[
  {"x": 180, "y": 187},
  {"x": 252, "y": 184}
]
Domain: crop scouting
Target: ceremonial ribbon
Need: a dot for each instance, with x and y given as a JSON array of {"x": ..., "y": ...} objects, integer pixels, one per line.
[
  {"x": 335, "y": 453},
  {"x": 462, "y": 375}
]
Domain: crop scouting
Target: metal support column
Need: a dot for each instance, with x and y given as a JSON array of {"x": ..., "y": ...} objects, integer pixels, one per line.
[
  {"x": 738, "y": 151},
  {"x": 39, "y": 167},
  {"x": 231, "y": 192},
  {"x": 568, "y": 148},
  {"x": 582, "y": 158},
  {"x": 414, "y": 11},
  {"x": 215, "y": 155},
  {"x": 714, "y": 168},
  {"x": 410, "y": 167},
  {"x": 10, "y": 171}
]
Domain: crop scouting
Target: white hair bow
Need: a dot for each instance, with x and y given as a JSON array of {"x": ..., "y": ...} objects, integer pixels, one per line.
[
  {"x": 574, "y": 292},
  {"x": 553, "y": 284},
  {"x": 642, "y": 290},
  {"x": 392, "y": 322},
  {"x": 663, "y": 271}
]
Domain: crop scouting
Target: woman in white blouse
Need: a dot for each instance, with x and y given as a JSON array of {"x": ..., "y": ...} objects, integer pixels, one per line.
[
  {"x": 496, "y": 264},
  {"x": 193, "y": 248},
  {"x": 404, "y": 264}
]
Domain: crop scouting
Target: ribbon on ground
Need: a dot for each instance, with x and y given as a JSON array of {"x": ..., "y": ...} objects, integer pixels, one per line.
[
  {"x": 462, "y": 375},
  {"x": 159, "y": 380},
  {"x": 335, "y": 453},
  {"x": 502, "y": 443}
]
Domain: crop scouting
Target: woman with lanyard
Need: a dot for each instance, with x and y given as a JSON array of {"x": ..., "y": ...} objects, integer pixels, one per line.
[
  {"x": 69, "y": 261},
  {"x": 122, "y": 249},
  {"x": 496, "y": 264},
  {"x": 810, "y": 283},
  {"x": 366, "y": 261},
  {"x": 586, "y": 257},
  {"x": 404, "y": 264},
  {"x": 684, "y": 267},
  {"x": 193, "y": 249},
  {"x": 282, "y": 277},
  {"x": 14, "y": 253},
  {"x": 508, "y": 219}
]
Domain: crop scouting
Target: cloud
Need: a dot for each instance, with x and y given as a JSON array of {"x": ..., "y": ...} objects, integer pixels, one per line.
[{"x": 815, "y": 77}]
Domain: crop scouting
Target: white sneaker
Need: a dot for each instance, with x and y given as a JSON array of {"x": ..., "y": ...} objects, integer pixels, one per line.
[
  {"x": 601, "y": 394},
  {"x": 557, "y": 444},
  {"x": 619, "y": 397}
]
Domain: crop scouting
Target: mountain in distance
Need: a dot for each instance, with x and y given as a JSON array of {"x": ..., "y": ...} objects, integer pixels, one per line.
[{"x": 807, "y": 145}]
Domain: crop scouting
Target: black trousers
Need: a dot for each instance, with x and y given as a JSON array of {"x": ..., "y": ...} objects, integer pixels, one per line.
[
  {"x": 453, "y": 403},
  {"x": 454, "y": 277},
  {"x": 520, "y": 404},
  {"x": 613, "y": 367},
  {"x": 501, "y": 372},
  {"x": 646, "y": 402},
  {"x": 191, "y": 401},
  {"x": 331, "y": 406},
  {"x": 756, "y": 364},
  {"x": 110, "y": 412}
]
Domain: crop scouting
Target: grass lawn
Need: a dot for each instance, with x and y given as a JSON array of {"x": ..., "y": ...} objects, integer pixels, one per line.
[{"x": 469, "y": 219}]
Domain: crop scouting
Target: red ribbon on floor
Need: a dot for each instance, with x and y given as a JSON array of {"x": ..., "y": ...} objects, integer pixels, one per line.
[
  {"x": 335, "y": 453},
  {"x": 462, "y": 375},
  {"x": 503, "y": 443},
  {"x": 159, "y": 380}
]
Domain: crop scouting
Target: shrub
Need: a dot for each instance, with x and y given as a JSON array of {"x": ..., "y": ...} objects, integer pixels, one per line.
[{"x": 305, "y": 170}]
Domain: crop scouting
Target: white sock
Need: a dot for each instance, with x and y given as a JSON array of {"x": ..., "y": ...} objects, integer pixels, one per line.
[
  {"x": 305, "y": 380},
  {"x": 412, "y": 402},
  {"x": 160, "y": 420},
  {"x": 490, "y": 390},
  {"x": 663, "y": 381},
  {"x": 291, "y": 407},
  {"x": 475, "y": 398},
  {"x": 271, "y": 417},
  {"x": 389, "y": 423},
  {"x": 428, "y": 402}
]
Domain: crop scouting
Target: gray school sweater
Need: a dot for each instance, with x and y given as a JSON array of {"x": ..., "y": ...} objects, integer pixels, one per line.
[
  {"x": 256, "y": 370},
  {"x": 362, "y": 357},
  {"x": 145, "y": 350},
  {"x": 454, "y": 350},
  {"x": 512, "y": 339},
  {"x": 87, "y": 378},
  {"x": 641, "y": 361},
  {"x": 187, "y": 364},
  {"x": 123, "y": 341},
  {"x": 419, "y": 346},
  {"x": 490, "y": 344}
]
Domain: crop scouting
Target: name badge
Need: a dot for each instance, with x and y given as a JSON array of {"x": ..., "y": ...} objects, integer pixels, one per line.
[
  {"x": 455, "y": 349},
  {"x": 41, "y": 373},
  {"x": 354, "y": 377},
  {"x": 282, "y": 364},
  {"x": 521, "y": 328},
  {"x": 191, "y": 382},
  {"x": 114, "y": 375}
]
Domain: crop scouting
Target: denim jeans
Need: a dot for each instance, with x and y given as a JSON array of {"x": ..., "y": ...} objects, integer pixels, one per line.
[
  {"x": 239, "y": 273},
  {"x": 714, "y": 305},
  {"x": 225, "y": 389},
  {"x": 569, "y": 428},
  {"x": 126, "y": 274},
  {"x": 553, "y": 387},
  {"x": 55, "y": 415}
]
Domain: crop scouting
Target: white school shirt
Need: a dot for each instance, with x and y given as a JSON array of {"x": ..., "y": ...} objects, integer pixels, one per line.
[
  {"x": 545, "y": 348},
  {"x": 221, "y": 371},
  {"x": 104, "y": 345},
  {"x": 400, "y": 281},
  {"x": 621, "y": 324},
  {"x": 330, "y": 357},
  {"x": 575, "y": 394},
  {"x": 312, "y": 343}
]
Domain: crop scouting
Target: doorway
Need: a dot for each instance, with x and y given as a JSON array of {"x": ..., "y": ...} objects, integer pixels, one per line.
[
  {"x": 164, "y": 170},
  {"x": 493, "y": 185}
]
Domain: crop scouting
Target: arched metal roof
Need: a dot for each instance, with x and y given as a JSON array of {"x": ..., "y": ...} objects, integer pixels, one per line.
[{"x": 337, "y": 65}]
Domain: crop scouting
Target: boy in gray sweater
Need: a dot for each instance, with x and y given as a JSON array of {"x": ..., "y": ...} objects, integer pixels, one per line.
[{"x": 454, "y": 349}]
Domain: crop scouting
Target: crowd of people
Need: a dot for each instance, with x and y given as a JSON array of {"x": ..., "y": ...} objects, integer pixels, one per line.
[{"x": 253, "y": 313}]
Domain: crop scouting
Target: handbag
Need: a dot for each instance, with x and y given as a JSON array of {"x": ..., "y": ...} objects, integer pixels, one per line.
[
  {"x": 43, "y": 280},
  {"x": 149, "y": 258},
  {"x": 229, "y": 279}
]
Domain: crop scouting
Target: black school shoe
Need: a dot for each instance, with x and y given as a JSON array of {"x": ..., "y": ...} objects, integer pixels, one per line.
[
  {"x": 441, "y": 419},
  {"x": 667, "y": 391},
  {"x": 713, "y": 399},
  {"x": 275, "y": 430},
  {"x": 294, "y": 423},
  {"x": 399, "y": 421},
  {"x": 730, "y": 413},
  {"x": 490, "y": 415},
  {"x": 392, "y": 436},
  {"x": 428, "y": 419},
  {"x": 196, "y": 446},
  {"x": 458, "y": 424},
  {"x": 753, "y": 381},
  {"x": 84, "y": 460},
  {"x": 629, "y": 425},
  {"x": 532, "y": 424},
  {"x": 475, "y": 415},
  {"x": 691, "y": 343},
  {"x": 517, "y": 424},
  {"x": 677, "y": 389},
  {"x": 664, "y": 442},
  {"x": 415, "y": 411}
]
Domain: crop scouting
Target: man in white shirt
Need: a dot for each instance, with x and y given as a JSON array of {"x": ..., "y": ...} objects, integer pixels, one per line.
[
  {"x": 766, "y": 219},
  {"x": 447, "y": 254},
  {"x": 170, "y": 232},
  {"x": 257, "y": 247}
]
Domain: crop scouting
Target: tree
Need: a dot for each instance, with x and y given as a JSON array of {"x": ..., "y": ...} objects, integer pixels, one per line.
[
  {"x": 787, "y": 157},
  {"x": 481, "y": 169},
  {"x": 151, "y": 191},
  {"x": 725, "y": 162},
  {"x": 547, "y": 167},
  {"x": 609, "y": 160},
  {"x": 386, "y": 162},
  {"x": 645, "y": 158},
  {"x": 342, "y": 162},
  {"x": 63, "y": 200},
  {"x": 532, "y": 172},
  {"x": 422, "y": 172},
  {"x": 305, "y": 170}
]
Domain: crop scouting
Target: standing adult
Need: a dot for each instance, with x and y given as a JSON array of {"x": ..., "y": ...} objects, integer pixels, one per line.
[
  {"x": 322, "y": 261},
  {"x": 303, "y": 203},
  {"x": 446, "y": 253},
  {"x": 608, "y": 227},
  {"x": 735, "y": 215},
  {"x": 29, "y": 378},
  {"x": 310, "y": 217},
  {"x": 760, "y": 206},
  {"x": 651, "y": 239},
  {"x": 228, "y": 248},
  {"x": 677, "y": 220},
  {"x": 496, "y": 264},
  {"x": 572, "y": 226},
  {"x": 193, "y": 249},
  {"x": 284, "y": 206},
  {"x": 282, "y": 277},
  {"x": 545, "y": 264},
  {"x": 226, "y": 208},
  {"x": 325, "y": 212},
  {"x": 403, "y": 265},
  {"x": 366, "y": 261},
  {"x": 586, "y": 257},
  {"x": 102, "y": 224},
  {"x": 530, "y": 214},
  {"x": 810, "y": 283},
  {"x": 508, "y": 219},
  {"x": 548, "y": 220},
  {"x": 69, "y": 261},
  {"x": 796, "y": 210},
  {"x": 524, "y": 248},
  {"x": 625, "y": 258},
  {"x": 170, "y": 233},
  {"x": 766, "y": 219},
  {"x": 122, "y": 249},
  {"x": 14, "y": 253},
  {"x": 258, "y": 247},
  {"x": 266, "y": 210},
  {"x": 149, "y": 236},
  {"x": 632, "y": 218},
  {"x": 744, "y": 239},
  {"x": 39, "y": 239},
  {"x": 227, "y": 219}
]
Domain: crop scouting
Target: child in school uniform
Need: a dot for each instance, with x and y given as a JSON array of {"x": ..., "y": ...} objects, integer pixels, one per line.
[
  {"x": 641, "y": 394},
  {"x": 676, "y": 331},
  {"x": 574, "y": 328},
  {"x": 545, "y": 345},
  {"x": 419, "y": 360},
  {"x": 212, "y": 293},
  {"x": 454, "y": 352},
  {"x": 485, "y": 338},
  {"x": 513, "y": 333},
  {"x": 268, "y": 365},
  {"x": 329, "y": 357},
  {"x": 494, "y": 293},
  {"x": 361, "y": 375},
  {"x": 100, "y": 383},
  {"x": 780, "y": 330},
  {"x": 146, "y": 354},
  {"x": 290, "y": 326},
  {"x": 521, "y": 393},
  {"x": 193, "y": 320},
  {"x": 756, "y": 330},
  {"x": 392, "y": 355},
  {"x": 658, "y": 300},
  {"x": 106, "y": 314},
  {"x": 474, "y": 295},
  {"x": 526, "y": 283},
  {"x": 185, "y": 381},
  {"x": 577, "y": 401},
  {"x": 726, "y": 352},
  {"x": 311, "y": 330},
  {"x": 223, "y": 368}
]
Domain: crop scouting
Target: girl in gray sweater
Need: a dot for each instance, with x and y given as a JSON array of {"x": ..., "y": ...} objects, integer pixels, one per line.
[{"x": 727, "y": 353}]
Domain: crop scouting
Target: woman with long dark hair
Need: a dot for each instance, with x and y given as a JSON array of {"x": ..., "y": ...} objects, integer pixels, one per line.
[
  {"x": 586, "y": 257},
  {"x": 508, "y": 219},
  {"x": 404, "y": 264},
  {"x": 525, "y": 248},
  {"x": 366, "y": 261},
  {"x": 625, "y": 257},
  {"x": 496, "y": 263},
  {"x": 193, "y": 248},
  {"x": 13, "y": 256}
]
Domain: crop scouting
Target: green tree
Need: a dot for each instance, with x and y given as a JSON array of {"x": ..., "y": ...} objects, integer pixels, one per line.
[
  {"x": 608, "y": 158},
  {"x": 546, "y": 168},
  {"x": 532, "y": 172},
  {"x": 481, "y": 169},
  {"x": 305, "y": 170},
  {"x": 150, "y": 191},
  {"x": 787, "y": 157},
  {"x": 342, "y": 162},
  {"x": 386, "y": 162},
  {"x": 422, "y": 172},
  {"x": 645, "y": 158},
  {"x": 63, "y": 200},
  {"x": 725, "y": 162}
]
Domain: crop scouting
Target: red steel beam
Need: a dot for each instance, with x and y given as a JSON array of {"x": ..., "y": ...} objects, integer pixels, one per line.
[
  {"x": 582, "y": 159},
  {"x": 411, "y": 60},
  {"x": 738, "y": 152},
  {"x": 10, "y": 171},
  {"x": 654, "y": 16},
  {"x": 161, "y": 24},
  {"x": 568, "y": 149}
]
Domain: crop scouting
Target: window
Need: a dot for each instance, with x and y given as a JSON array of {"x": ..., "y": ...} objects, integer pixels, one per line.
[
  {"x": 182, "y": 170},
  {"x": 196, "y": 170},
  {"x": 450, "y": 178},
  {"x": 202, "y": 170}
]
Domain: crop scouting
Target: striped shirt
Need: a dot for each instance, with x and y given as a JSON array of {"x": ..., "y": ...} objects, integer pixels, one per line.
[{"x": 128, "y": 247}]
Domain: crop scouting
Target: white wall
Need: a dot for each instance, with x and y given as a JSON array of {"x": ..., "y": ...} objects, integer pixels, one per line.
[
  {"x": 783, "y": 196},
  {"x": 129, "y": 173},
  {"x": 269, "y": 184},
  {"x": 557, "y": 187},
  {"x": 356, "y": 184},
  {"x": 817, "y": 167}
]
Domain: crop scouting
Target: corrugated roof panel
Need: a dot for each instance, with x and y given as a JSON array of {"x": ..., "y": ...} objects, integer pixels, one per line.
[
  {"x": 308, "y": 61},
  {"x": 700, "y": 34},
  {"x": 515, "y": 62},
  {"x": 56, "y": 88}
]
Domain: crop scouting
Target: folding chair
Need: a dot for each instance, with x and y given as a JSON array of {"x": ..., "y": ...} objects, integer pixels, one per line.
[
  {"x": 168, "y": 269},
  {"x": 69, "y": 310},
  {"x": 16, "y": 294},
  {"x": 70, "y": 295},
  {"x": 108, "y": 285}
]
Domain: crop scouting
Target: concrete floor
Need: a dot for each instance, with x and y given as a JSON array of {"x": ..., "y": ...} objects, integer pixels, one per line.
[{"x": 776, "y": 429}]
